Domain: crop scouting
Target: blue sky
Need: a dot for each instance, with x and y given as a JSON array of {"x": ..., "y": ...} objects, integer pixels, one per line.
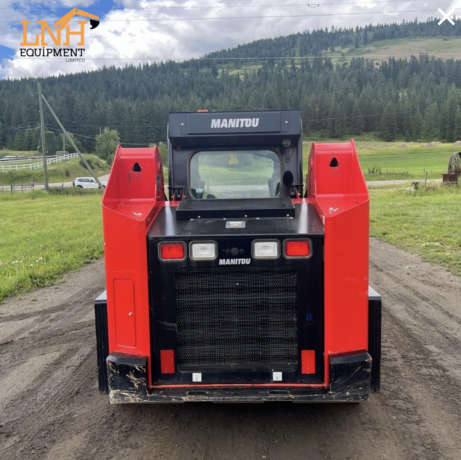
[{"x": 136, "y": 31}]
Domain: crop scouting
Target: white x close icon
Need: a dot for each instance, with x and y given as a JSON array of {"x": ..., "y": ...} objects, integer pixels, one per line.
[{"x": 446, "y": 17}]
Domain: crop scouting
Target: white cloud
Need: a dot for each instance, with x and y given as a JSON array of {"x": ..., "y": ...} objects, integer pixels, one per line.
[
  {"x": 124, "y": 34},
  {"x": 72, "y": 3}
]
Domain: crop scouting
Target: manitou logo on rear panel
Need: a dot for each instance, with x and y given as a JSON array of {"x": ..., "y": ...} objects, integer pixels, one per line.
[
  {"x": 234, "y": 122},
  {"x": 234, "y": 261}
]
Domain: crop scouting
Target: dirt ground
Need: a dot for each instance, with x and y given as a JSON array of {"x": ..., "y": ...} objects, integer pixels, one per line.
[{"x": 50, "y": 407}]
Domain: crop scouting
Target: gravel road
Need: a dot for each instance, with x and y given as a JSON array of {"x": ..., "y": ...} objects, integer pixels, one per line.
[
  {"x": 7, "y": 188},
  {"x": 50, "y": 407}
]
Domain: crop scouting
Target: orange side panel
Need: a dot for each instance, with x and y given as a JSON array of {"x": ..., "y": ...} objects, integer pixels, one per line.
[
  {"x": 125, "y": 313},
  {"x": 133, "y": 197},
  {"x": 338, "y": 191}
]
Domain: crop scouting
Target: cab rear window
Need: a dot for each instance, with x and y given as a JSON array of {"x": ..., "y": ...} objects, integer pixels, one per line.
[{"x": 234, "y": 174}]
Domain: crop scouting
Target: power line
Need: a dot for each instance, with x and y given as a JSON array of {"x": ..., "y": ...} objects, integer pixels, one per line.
[
  {"x": 255, "y": 58},
  {"x": 103, "y": 125},
  {"x": 73, "y": 134},
  {"x": 261, "y": 5},
  {"x": 232, "y": 18},
  {"x": 153, "y": 126},
  {"x": 20, "y": 128},
  {"x": 94, "y": 136},
  {"x": 308, "y": 119},
  {"x": 13, "y": 103},
  {"x": 267, "y": 16},
  {"x": 381, "y": 114}
]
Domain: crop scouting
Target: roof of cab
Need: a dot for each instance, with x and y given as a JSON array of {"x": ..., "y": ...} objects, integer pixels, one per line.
[{"x": 234, "y": 128}]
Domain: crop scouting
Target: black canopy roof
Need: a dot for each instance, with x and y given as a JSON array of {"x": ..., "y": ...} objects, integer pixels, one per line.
[{"x": 234, "y": 128}]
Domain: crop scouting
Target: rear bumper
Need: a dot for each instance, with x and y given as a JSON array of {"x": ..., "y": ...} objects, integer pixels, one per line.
[
  {"x": 352, "y": 375},
  {"x": 350, "y": 382}
]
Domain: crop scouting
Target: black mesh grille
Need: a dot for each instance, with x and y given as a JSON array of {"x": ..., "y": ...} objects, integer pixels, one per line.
[{"x": 237, "y": 318}]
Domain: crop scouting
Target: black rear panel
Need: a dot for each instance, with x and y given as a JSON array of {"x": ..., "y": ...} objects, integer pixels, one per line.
[
  {"x": 239, "y": 321},
  {"x": 235, "y": 208},
  {"x": 237, "y": 318}
]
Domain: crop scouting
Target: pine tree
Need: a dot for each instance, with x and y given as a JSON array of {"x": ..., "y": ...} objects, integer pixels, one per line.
[
  {"x": 431, "y": 122},
  {"x": 417, "y": 126},
  {"x": 340, "y": 122},
  {"x": 356, "y": 121},
  {"x": 106, "y": 144},
  {"x": 270, "y": 99},
  {"x": 389, "y": 123},
  {"x": 255, "y": 101}
]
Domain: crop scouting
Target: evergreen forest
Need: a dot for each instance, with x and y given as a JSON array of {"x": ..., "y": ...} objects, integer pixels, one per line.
[{"x": 412, "y": 99}]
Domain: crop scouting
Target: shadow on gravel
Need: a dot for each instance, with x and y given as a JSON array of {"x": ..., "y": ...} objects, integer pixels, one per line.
[{"x": 243, "y": 431}]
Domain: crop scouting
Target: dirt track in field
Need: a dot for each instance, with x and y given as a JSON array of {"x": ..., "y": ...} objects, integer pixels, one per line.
[{"x": 50, "y": 407}]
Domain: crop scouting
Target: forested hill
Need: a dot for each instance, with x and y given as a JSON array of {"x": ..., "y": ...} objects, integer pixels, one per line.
[
  {"x": 321, "y": 41},
  {"x": 415, "y": 98}
]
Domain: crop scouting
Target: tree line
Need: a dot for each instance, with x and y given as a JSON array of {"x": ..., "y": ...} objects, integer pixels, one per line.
[{"x": 412, "y": 99}]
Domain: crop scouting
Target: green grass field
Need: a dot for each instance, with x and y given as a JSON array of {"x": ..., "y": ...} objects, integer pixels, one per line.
[
  {"x": 59, "y": 172},
  {"x": 400, "y": 48},
  {"x": 399, "y": 160},
  {"x": 439, "y": 47},
  {"x": 422, "y": 222},
  {"x": 43, "y": 236}
]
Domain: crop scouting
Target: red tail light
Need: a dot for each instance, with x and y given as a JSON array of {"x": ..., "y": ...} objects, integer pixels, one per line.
[
  {"x": 299, "y": 248},
  {"x": 167, "y": 361},
  {"x": 308, "y": 361},
  {"x": 172, "y": 251}
]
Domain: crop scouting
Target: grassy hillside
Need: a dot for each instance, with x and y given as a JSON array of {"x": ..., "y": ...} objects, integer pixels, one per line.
[
  {"x": 60, "y": 172},
  {"x": 398, "y": 160},
  {"x": 404, "y": 47},
  {"x": 400, "y": 48}
]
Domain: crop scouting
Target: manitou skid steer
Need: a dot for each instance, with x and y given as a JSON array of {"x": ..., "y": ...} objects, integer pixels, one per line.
[{"x": 245, "y": 285}]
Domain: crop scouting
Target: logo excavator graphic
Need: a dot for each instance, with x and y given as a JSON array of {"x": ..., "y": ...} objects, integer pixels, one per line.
[{"x": 60, "y": 24}]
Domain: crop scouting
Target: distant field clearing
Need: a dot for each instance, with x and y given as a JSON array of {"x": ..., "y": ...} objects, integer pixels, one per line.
[{"x": 399, "y": 160}]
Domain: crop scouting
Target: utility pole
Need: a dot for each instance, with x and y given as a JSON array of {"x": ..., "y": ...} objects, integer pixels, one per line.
[
  {"x": 63, "y": 143},
  {"x": 42, "y": 130},
  {"x": 87, "y": 166}
]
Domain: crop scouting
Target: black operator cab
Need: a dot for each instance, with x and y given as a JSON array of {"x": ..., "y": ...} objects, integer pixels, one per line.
[
  {"x": 235, "y": 164},
  {"x": 236, "y": 268}
]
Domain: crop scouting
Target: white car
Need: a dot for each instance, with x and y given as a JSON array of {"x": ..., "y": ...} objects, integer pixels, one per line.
[{"x": 87, "y": 182}]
